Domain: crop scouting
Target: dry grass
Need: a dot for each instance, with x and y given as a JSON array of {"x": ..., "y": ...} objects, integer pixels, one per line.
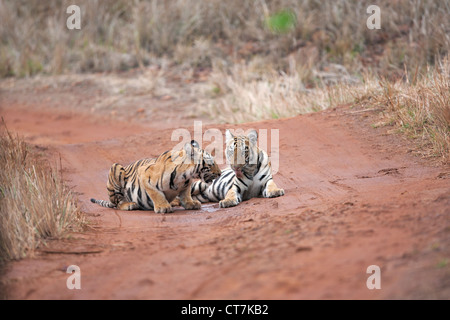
[
  {"x": 118, "y": 35},
  {"x": 34, "y": 203},
  {"x": 324, "y": 56},
  {"x": 246, "y": 93},
  {"x": 419, "y": 104},
  {"x": 420, "y": 107}
]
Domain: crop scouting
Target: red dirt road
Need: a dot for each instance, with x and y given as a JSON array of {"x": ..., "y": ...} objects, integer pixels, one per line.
[{"x": 355, "y": 197}]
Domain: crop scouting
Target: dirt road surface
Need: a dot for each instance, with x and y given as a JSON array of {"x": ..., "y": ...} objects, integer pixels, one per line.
[{"x": 355, "y": 197}]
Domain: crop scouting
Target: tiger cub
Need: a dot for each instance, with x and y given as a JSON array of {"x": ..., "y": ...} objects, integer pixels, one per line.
[
  {"x": 153, "y": 183},
  {"x": 249, "y": 174}
]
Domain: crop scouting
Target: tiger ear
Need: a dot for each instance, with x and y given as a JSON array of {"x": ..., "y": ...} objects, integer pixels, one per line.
[
  {"x": 189, "y": 148},
  {"x": 195, "y": 144},
  {"x": 253, "y": 137},
  {"x": 228, "y": 135}
]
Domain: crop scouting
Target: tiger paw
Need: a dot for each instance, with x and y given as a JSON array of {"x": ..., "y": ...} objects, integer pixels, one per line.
[
  {"x": 226, "y": 203},
  {"x": 273, "y": 193},
  {"x": 164, "y": 209},
  {"x": 194, "y": 205},
  {"x": 175, "y": 202}
]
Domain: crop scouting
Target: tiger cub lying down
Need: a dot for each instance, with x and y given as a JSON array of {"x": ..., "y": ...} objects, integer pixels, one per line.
[
  {"x": 153, "y": 183},
  {"x": 249, "y": 174}
]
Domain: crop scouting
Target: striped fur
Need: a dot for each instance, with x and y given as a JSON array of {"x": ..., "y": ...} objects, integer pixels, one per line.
[
  {"x": 249, "y": 174},
  {"x": 151, "y": 184}
]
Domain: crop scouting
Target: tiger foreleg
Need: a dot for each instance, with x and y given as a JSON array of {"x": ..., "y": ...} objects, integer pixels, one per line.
[
  {"x": 187, "y": 202},
  {"x": 232, "y": 198},
  {"x": 160, "y": 203},
  {"x": 271, "y": 190}
]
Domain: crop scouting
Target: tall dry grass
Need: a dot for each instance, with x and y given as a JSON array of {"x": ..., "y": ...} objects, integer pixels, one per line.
[
  {"x": 248, "y": 92},
  {"x": 418, "y": 104},
  {"x": 34, "y": 202},
  {"x": 325, "y": 57},
  {"x": 419, "y": 107},
  {"x": 118, "y": 34}
]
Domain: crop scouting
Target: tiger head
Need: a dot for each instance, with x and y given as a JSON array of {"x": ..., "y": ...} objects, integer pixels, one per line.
[
  {"x": 242, "y": 153},
  {"x": 208, "y": 168}
]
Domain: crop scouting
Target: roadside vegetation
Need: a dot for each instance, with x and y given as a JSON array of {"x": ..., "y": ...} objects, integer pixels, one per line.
[
  {"x": 258, "y": 59},
  {"x": 306, "y": 36},
  {"x": 35, "y": 204},
  {"x": 418, "y": 107}
]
